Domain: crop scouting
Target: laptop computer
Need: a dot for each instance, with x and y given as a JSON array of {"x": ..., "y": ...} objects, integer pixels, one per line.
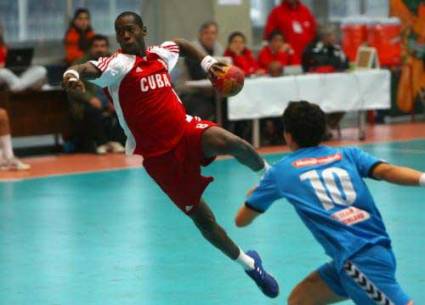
[{"x": 18, "y": 60}]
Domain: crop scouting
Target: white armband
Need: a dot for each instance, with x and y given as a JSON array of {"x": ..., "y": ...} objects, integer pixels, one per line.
[
  {"x": 207, "y": 62},
  {"x": 422, "y": 180},
  {"x": 72, "y": 72}
]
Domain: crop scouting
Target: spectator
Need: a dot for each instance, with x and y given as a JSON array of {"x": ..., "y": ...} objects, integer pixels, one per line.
[
  {"x": 94, "y": 120},
  {"x": 8, "y": 161},
  {"x": 207, "y": 40},
  {"x": 201, "y": 101},
  {"x": 242, "y": 57},
  {"x": 78, "y": 35},
  {"x": 276, "y": 55},
  {"x": 33, "y": 77},
  {"x": 296, "y": 23},
  {"x": 326, "y": 56}
]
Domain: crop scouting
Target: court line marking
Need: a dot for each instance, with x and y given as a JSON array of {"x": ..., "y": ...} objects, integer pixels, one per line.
[
  {"x": 72, "y": 174},
  {"x": 131, "y": 168}
]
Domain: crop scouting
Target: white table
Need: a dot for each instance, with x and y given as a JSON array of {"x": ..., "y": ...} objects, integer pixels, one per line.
[{"x": 352, "y": 91}]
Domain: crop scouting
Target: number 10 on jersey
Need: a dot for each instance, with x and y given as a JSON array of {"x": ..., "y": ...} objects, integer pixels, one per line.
[{"x": 325, "y": 185}]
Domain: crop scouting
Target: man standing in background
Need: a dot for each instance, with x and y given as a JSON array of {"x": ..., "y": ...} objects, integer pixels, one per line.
[{"x": 295, "y": 21}]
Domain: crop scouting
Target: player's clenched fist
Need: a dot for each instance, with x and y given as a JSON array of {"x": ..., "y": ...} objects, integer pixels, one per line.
[{"x": 71, "y": 81}]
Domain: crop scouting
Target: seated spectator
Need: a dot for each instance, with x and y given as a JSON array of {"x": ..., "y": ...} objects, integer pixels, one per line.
[
  {"x": 95, "y": 124},
  {"x": 296, "y": 22},
  {"x": 32, "y": 78},
  {"x": 276, "y": 55},
  {"x": 201, "y": 101},
  {"x": 242, "y": 57},
  {"x": 326, "y": 56},
  {"x": 8, "y": 161},
  {"x": 78, "y": 35}
]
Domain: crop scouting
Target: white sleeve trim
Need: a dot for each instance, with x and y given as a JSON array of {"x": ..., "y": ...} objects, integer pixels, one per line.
[
  {"x": 113, "y": 68},
  {"x": 169, "y": 52}
]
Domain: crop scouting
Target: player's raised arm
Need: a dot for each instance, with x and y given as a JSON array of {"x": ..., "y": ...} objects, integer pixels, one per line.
[
  {"x": 72, "y": 77},
  {"x": 208, "y": 63},
  {"x": 398, "y": 175}
]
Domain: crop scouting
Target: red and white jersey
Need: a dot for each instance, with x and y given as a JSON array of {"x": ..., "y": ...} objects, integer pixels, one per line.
[{"x": 149, "y": 110}]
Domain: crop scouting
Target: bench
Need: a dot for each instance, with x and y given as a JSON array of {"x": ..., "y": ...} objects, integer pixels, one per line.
[{"x": 34, "y": 113}]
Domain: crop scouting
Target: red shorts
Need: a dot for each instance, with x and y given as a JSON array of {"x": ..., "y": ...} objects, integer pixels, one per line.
[{"x": 178, "y": 172}]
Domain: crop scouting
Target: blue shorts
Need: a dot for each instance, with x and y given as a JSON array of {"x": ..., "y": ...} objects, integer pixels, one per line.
[{"x": 367, "y": 278}]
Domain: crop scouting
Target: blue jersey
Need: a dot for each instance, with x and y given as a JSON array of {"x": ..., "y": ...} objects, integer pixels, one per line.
[{"x": 326, "y": 187}]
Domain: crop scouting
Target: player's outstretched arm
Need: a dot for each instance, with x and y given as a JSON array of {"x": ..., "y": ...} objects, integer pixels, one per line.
[
  {"x": 245, "y": 216},
  {"x": 73, "y": 75},
  {"x": 208, "y": 63},
  {"x": 399, "y": 175},
  {"x": 187, "y": 49}
]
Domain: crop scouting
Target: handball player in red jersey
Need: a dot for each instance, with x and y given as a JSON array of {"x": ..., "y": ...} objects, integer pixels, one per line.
[{"x": 173, "y": 144}]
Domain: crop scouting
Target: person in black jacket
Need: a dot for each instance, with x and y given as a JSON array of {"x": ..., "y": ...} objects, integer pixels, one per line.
[{"x": 326, "y": 56}]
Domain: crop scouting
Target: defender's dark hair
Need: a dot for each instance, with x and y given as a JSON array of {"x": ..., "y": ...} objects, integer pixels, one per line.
[
  {"x": 98, "y": 37},
  {"x": 137, "y": 19},
  {"x": 306, "y": 122},
  {"x": 274, "y": 34},
  {"x": 236, "y": 34}
]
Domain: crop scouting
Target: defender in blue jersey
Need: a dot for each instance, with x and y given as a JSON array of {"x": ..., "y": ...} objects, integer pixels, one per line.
[{"x": 325, "y": 185}]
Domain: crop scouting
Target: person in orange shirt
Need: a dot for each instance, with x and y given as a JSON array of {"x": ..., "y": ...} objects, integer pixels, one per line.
[
  {"x": 78, "y": 36},
  {"x": 276, "y": 55},
  {"x": 241, "y": 56}
]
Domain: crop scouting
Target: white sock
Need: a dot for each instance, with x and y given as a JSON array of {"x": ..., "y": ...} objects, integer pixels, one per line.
[
  {"x": 245, "y": 261},
  {"x": 6, "y": 146}
]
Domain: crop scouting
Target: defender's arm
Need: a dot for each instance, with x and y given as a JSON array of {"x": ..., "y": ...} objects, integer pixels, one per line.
[
  {"x": 398, "y": 174},
  {"x": 245, "y": 216}
]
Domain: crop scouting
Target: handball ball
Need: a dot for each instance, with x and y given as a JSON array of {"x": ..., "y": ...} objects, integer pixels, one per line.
[{"x": 229, "y": 82}]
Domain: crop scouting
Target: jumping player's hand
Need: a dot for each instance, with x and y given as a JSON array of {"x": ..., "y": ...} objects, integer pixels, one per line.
[
  {"x": 70, "y": 82},
  {"x": 216, "y": 69}
]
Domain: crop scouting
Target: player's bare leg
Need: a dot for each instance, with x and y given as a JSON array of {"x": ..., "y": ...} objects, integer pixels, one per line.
[
  {"x": 313, "y": 291},
  {"x": 218, "y": 141},
  {"x": 205, "y": 221},
  {"x": 8, "y": 161}
]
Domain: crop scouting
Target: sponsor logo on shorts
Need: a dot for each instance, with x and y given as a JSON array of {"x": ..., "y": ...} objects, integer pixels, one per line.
[{"x": 188, "y": 208}]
